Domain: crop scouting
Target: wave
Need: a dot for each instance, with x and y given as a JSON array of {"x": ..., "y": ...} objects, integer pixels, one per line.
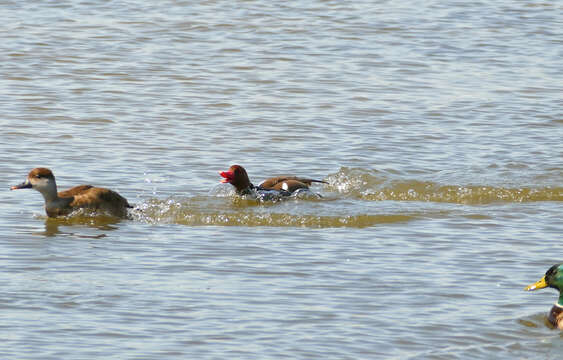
[{"x": 371, "y": 185}]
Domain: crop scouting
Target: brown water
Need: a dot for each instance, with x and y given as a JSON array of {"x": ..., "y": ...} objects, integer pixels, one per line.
[{"x": 437, "y": 126}]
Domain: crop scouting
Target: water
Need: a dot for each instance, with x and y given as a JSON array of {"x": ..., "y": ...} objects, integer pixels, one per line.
[{"x": 437, "y": 125}]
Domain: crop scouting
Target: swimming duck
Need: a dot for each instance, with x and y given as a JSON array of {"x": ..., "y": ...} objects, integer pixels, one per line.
[
  {"x": 82, "y": 196},
  {"x": 553, "y": 278},
  {"x": 286, "y": 185}
]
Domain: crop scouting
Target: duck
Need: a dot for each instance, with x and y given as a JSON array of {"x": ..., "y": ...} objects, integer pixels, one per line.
[
  {"x": 553, "y": 278},
  {"x": 284, "y": 185},
  {"x": 82, "y": 196}
]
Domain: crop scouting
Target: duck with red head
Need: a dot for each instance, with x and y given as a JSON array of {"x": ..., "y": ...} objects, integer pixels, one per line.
[
  {"x": 237, "y": 176},
  {"x": 82, "y": 196},
  {"x": 284, "y": 185}
]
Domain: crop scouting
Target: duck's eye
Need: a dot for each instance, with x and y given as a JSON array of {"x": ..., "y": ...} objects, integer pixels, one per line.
[{"x": 38, "y": 176}]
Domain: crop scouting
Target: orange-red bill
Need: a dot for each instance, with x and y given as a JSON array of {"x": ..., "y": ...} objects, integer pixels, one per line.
[{"x": 228, "y": 176}]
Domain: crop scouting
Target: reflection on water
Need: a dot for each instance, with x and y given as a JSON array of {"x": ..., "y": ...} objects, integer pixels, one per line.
[{"x": 55, "y": 226}]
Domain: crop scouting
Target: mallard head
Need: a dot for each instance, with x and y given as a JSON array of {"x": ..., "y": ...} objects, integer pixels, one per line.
[{"x": 553, "y": 278}]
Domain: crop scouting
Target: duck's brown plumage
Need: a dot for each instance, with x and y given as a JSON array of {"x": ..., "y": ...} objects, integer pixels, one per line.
[
  {"x": 237, "y": 176},
  {"x": 87, "y": 196},
  {"x": 77, "y": 190},
  {"x": 555, "y": 317},
  {"x": 82, "y": 196}
]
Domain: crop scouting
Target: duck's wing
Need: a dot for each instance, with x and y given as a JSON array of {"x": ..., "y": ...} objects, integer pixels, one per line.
[
  {"x": 289, "y": 185},
  {"x": 104, "y": 199}
]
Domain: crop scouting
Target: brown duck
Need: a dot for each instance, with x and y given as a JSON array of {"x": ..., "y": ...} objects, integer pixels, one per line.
[{"x": 82, "y": 196}]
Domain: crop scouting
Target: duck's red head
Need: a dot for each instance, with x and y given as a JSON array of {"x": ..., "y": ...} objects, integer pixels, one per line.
[{"x": 237, "y": 177}]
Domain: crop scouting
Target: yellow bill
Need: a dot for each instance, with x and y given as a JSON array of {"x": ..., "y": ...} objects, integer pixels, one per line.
[{"x": 537, "y": 285}]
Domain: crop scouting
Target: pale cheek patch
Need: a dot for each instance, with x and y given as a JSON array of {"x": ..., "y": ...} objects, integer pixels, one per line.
[{"x": 285, "y": 187}]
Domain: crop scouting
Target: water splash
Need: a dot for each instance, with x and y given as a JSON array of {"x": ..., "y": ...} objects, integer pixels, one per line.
[{"x": 244, "y": 212}]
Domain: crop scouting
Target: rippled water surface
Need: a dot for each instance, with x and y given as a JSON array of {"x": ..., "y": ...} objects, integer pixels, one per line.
[{"x": 437, "y": 126}]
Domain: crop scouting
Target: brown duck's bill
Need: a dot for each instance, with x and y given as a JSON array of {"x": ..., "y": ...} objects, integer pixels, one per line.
[
  {"x": 537, "y": 285},
  {"x": 228, "y": 176},
  {"x": 23, "y": 185}
]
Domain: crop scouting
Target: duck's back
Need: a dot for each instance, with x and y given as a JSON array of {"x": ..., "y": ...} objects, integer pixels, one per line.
[
  {"x": 74, "y": 191},
  {"x": 288, "y": 183},
  {"x": 87, "y": 196}
]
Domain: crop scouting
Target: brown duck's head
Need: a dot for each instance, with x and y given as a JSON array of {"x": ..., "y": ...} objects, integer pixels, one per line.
[
  {"x": 236, "y": 176},
  {"x": 39, "y": 179}
]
